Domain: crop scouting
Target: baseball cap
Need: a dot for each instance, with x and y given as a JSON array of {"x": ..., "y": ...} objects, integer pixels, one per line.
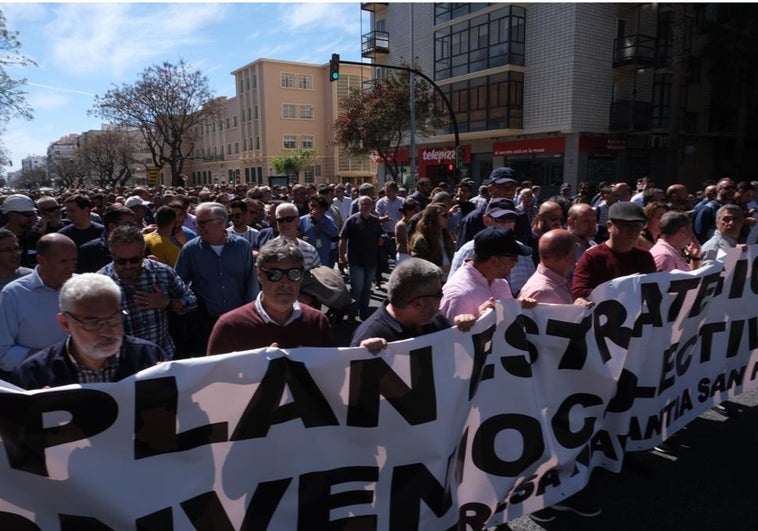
[
  {"x": 500, "y": 207},
  {"x": 135, "y": 201},
  {"x": 502, "y": 175},
  {"x": 498, "y": 241},
  {"x": 626, "y": 211},
  {"x": 18, "y": 203}
]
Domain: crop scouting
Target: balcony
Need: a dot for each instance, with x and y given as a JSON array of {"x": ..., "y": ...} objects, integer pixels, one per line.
[
  {"x": 634, "y": 50},
  {"x": 372, "y": 6},
  {"x": 374, "y": 43},
  {"x": 631, "y": 116}
]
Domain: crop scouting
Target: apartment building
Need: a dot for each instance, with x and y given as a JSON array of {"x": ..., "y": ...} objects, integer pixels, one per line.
[
  {"x": 33, "y": 162},
  {"x": 561, "y": 92},
  {"x": 279, "y": 106}
]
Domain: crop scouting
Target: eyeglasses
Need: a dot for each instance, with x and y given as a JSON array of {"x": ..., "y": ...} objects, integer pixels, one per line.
[
  {"x": 274, "y": 274},
  {"x": 286, "y": 219},
  {"x": 93, "y": 325},
  {"x": 130, "y": 260},
  {"x": 15, "y": 249},
  {"x": 204, "y": 222},
  {"x": 437, "y": 295}
]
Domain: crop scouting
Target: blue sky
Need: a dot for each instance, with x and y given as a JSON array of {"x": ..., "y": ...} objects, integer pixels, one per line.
[{"x": 81, "y": 49}]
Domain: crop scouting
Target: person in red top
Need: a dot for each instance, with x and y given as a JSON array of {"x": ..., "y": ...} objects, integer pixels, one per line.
[
  {"x": 274, "y": 318},
  {"x": 617, "y": 256}
]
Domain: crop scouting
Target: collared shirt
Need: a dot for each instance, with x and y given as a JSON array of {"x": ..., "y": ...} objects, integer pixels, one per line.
[
  {"x": 310, "y": 255},
  {"x": 667, "y": 257},
  {"x": 382, "y": 324},
  {"x": 27, "y": 319},
  {"x": 320, "y": 235},
  {"x": 83, "y": 375},
  {"x": 296, "y": 312},
  {"x": 250, "y": 235},
  {"x": 547, "y": 286},
  {"x": 344, "y": 206},
  {"x": 386, "y": 207},
  {"x": 467, "y": 289},
  {"x": 710, "y": 249},
  {"x": 222, "y": 282},
  {"x": 517, "y": 277},
  {"x": 152, "y": 323}
]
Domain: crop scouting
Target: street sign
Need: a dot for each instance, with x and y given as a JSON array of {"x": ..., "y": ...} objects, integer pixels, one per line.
[{"x": 153, "y": 176}]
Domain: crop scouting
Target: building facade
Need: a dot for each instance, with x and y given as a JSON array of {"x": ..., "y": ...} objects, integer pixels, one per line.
[
  {"x": 561, "y": 92},
  {"x": 279, "y": 107}
]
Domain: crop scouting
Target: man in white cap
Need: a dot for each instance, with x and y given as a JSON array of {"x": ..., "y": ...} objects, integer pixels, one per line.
[
  {"x": 137, "y": 205},
  {"x": 21, "y": 217}
]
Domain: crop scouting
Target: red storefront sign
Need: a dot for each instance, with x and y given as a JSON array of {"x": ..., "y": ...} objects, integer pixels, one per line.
[
  {"x": 434, "y": 156},
  {"x": 601, "y": 144},
  {"x": 525, "y": 148}
]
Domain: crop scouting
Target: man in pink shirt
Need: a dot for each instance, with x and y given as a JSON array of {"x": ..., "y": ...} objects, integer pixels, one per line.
[
  {"x": 677, "y": 247},
  {"x": 476, "y": 285},
  {"x": 550, "y": 282}
]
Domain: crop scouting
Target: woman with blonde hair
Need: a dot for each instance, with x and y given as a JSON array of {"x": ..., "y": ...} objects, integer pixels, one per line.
[{"x": 432, "y": 240}]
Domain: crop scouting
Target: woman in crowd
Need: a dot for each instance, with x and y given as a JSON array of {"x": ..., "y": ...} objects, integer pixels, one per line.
[
  {"x": 432, "y": 240},
  {"x": 653, "y": 213},
  {"x": 408, "y": 209}
]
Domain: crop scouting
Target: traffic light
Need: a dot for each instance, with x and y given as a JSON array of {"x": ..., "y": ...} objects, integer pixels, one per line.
[{"x": 334, "y": 67}]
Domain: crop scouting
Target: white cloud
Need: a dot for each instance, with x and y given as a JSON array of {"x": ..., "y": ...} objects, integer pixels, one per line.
[{"x": 317, "y": 16}]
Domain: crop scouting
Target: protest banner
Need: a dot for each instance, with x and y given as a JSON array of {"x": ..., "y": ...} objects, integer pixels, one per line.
[{"x": 445, "y": 431}]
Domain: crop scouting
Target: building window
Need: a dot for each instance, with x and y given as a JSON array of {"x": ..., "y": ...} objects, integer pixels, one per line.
[
  {"x": 255, "y": 112},
  {"x": 290, "y": 141},
  {"x": 235, "y": 120},
  {"x": 228, "y": 149},
  {"x": 491, "y": 102},
  {"x": 255, "y": 81},
  {"x": 306, "y": 112},
  {"x": 288, "y": 80},
  {"x": 306, "y": 141},
  {"x": 249, "y": 114},
  {"x": 228, "y": 122},
  {"x": 305, "y": 81},
  {"x": 247, "y": 82},
  {"x": 257, "y": 142},
  {"x": 288, "y": 110},
  {"x": 236, "y": 147},
  {"x": 308, "y": 175},
  {"x": 479, "y": 43}
]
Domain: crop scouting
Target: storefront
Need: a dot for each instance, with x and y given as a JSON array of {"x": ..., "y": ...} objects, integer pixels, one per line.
[
  {"x": 435, "y": 163},
  {"x": 539, "y": 160}
]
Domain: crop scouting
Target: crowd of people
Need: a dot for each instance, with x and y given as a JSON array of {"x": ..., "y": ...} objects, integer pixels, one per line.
[{"x": 97, "y": 286}]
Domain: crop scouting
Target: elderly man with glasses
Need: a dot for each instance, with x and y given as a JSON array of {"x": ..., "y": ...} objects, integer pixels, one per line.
[
  {"x": 95, "y": 349},
  {"x": 287, "y": 223},
  {"x": 275, "y": 318}
]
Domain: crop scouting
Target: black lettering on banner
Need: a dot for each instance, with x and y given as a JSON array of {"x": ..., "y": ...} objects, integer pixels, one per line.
[
  {"x": 754, "y": 372},
  {"x": 523, "y": 490},
  {"x": 71, "y": 522},
  {"x": 315, "y": 499},
  {"x": 481, "y": 370},
  {"x": 738, "y": 277},
  {"x": 264, "y": 409},
  {"x": 626, "y": 391},
  {"x": 461, "y": 456},
  {"x": 681, "y": 287},
  {"x": 24, "y": 436},
  {"x": 706, "y": 339},
  {"x": 410, "y": 485},
  {"x": 752, "y": 327},
  {"x": 207, "y": 513},
  {"x": 515, "y": 335},
  {"x": 614, "y": 314},
  {"x": 372, "y": 378},
  {"x": 602, "y": 442},
  {"x": 735, "y": 337},
  {"x": 575, "y": 354},
  {"x": 473, "y": 516},
  {"x": 157, "y": 521},
  {"x": 680, "y": 364},
  {"x": 16, "y": 522},
  {"x": 155, "y": 412},
  {"x": 710, "y": 286},
  {"x": 651, "y": 299},
  {"x": 483, "y": 451},
  {"x": 561, "y": 424},
  {"x": 754, "y": 276}
]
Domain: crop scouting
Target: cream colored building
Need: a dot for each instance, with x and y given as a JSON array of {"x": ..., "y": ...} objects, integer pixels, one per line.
[{"x": 278, "y": 106}]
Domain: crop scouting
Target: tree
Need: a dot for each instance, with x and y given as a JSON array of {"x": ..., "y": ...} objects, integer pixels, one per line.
[
  {"x": 167, "y": 104},
  {"x": 67, "y": 172},
  {"x": 376, "y": 120},
  {"x": 295, "y": 162},
  {"x": 13, "y": 102},
  {"x": 107, "y": 156}
]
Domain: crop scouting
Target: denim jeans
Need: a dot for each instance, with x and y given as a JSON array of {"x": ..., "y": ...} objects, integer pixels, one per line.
[{"x": 361, "y": 278}]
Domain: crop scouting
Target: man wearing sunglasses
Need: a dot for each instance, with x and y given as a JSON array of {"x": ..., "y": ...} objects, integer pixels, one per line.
[
  {"x": 20, "y": 218},
  {"x": 149, "y": 289},
  {"x": 95, "y": 349},
  {"x": 275, "y": 317},
  {"x": 287, "y": 223}
]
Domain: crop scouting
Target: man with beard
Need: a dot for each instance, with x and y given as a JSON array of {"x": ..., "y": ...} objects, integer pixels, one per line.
[{"x": 96, "y": 349}]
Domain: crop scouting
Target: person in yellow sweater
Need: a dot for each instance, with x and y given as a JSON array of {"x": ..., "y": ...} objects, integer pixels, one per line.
[{"x": 160, "y": 246}]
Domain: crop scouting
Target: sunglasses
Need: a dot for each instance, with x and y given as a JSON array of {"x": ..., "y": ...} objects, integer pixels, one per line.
[
  {"x": 274, "y": 274},
  {"x": 286, "y": 219},
  {"x": 130, "y": 260}
]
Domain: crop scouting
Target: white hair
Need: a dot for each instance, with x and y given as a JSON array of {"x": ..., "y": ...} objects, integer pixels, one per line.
[{"x": 87, "y": 286}]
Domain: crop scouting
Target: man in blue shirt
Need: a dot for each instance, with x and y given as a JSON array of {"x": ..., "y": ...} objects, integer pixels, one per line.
[
  {"x": 319, "y": 229},
  {"x": 218, "y": 266}
]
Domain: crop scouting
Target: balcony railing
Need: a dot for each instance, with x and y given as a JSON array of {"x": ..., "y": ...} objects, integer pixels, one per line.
[
  {"x": 375, "y": 42},
  {"x": 631, "y": 116},
  {"x": 638, "y": 50}
]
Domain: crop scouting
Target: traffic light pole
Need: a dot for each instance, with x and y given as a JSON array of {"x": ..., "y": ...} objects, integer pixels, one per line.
[{"x": 458, "y": 150}]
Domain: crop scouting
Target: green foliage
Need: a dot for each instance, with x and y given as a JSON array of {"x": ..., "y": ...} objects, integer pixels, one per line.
[
  {"x": 377, "y": 119},
  {"x": 294, "y": 162}
]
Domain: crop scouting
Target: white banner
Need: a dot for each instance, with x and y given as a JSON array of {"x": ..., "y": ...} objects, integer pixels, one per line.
[{"x": 442, "y": 431}]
